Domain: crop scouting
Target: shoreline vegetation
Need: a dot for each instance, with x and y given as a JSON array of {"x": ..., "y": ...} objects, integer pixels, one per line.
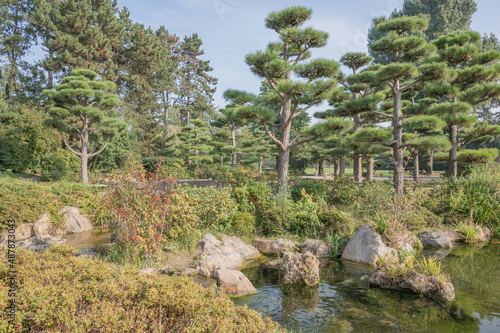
[{"x": 151, "y": 227}]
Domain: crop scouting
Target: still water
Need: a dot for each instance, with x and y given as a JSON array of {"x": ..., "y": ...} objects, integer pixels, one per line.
[{"x": 343, "y": 302}]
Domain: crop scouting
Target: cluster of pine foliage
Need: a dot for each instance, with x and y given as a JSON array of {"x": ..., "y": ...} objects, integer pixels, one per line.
[{"x": 107, "y": 88}]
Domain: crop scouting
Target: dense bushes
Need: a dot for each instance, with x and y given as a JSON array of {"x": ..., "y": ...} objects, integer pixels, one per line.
[
  {"x": 62, "y": 293},
  {"x": 59, "y": 164}
]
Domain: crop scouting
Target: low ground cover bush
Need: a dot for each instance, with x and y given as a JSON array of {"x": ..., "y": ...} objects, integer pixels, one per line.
[{"x": 62, "y": 293}]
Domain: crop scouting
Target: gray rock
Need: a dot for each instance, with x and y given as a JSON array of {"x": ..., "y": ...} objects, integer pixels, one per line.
[
  {"x": 22, "y": 232},
  {"x": 301, "y": 267},
  {"x": 43, "y": 225},
  {"x": 454, "y": 236},
  {"x": 276, "y": 264},
  {"x": 316, "y": 247},
  {"x": 274, "y": 246},
  {"x": 88, "y": 253},
  {"x": 366, "y": 246},
  {"x": 75, "y": 221},
  {"x": 233, "y": 282},
  {"x": 150, "y": 271},
  {"x": 434, "y": 238},
  {"x": 484, "y": 234},
  {"x": 39, "y": 243},
  {"x": 230, "y": 252},
  {"x": 419, "y": 283}
]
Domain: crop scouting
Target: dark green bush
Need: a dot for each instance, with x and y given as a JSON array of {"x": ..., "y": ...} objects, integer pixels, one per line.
[
  {"x": 315, "y": 188},
  {"x": 59, "y": 164},
  {"x": 243, "y": 223},
  {"x": 61, "y": 293}
]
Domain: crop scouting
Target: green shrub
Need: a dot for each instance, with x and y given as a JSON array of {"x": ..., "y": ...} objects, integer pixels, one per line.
[
  {"x": 62, "y": 293},
  {"x": 306, "y": 221},
  {"x": 477, "y": 196},
  {"x": 251, "y": 196},
  {"x": 315, "y": 188},
  {"x": 243, "y": 223},
  {"x": 344, "y": 192},
  {"x": 59, "y": 164},
  {"x": 275, "y": 215},
  {"x": 337, "y": 222}
]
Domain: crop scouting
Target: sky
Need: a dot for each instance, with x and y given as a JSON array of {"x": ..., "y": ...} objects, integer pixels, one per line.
[{"x": 230, "y": 29}]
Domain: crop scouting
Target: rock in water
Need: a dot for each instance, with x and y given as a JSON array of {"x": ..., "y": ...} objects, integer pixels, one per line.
[
  {"x": 39, "y": 243},
  {"x": 298, "y": 267},
  {"x": 435, "y": 238},
  {"x": 316, "y": 247},
  {"x": 366, "y": 246},
  {"x": 274, "y": 246},
  {"x": 233, "y": 282},
  {"x": 231, "y": 252},
  {"x": 419, "y": 283},
  {"x": 75, "y": 220}
]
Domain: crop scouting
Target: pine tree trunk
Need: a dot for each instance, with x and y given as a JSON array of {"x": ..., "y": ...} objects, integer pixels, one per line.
[
  {"x": 335, "y": 169},
  {"x": 320, "y": 168},
  {"x": 283, "y": 163},
  {"x": 233, "y": 157},
  {"x": 416, "y": 166},
  {"x": 453, "y": 165},
  {"x": 221, "y": 160},
  {"x": 430, "y": 163},
  {"x": 84, "y": 157},
  {"x": 261, "y": 160},
  {"x": 342, "y": 165},
  {"x": 399, "y": 169},
  {"x": 165, "y": 110},
  {"x": 358, "y": 168},
  {"x": 369, "y": 169}
]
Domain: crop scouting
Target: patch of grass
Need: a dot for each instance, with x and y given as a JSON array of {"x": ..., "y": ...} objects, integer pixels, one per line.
[{"x": 430, "y": 266}]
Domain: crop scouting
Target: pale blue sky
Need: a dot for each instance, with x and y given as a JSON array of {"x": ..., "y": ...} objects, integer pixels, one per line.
[{"x": 230, "y": 29}]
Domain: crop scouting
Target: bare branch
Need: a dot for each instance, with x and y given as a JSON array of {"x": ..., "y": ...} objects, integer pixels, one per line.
[
  {"x": 100, "y": 150},
  {"x": 383, "y": 114},
  {"x": 390, "y": 85},
  {"x": 273, "y": 124},
  {"x": 278, "y": 142},
  {"x": 303, "y": 141},
  {"x": 68, "y": 146},
  {"x": 410, "y": 85}
]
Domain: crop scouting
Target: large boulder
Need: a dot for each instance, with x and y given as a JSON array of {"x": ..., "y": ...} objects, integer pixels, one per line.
[
  {"x": 484, "y": 234},
  {"x": 301, "y": 267},
  {"x": 429, "y": 286},
  {"x": 74, "y": 220},
  {"x": 435, "y": 238},
  {"x": 233, "y": 282},
  {"x": 454, "y": 236},
  {"x": 43, "y": 225},
  {"x": 366, "y": 246},
  {"x": 22, "y": 232},
  {"x": 39, "y": 243},
  {"x": 316, "y": 247},
  {"x": 230, "y": 252},
  {"x": 274, "y": 246}
]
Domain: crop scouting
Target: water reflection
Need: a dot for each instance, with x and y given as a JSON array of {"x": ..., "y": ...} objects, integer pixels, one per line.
[{"x": 342, "y": 304}]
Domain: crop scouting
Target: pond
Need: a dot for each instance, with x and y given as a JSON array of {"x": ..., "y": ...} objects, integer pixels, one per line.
[
  {"x": 343, "y": 301},
  {"x": 83, "y": 240}
]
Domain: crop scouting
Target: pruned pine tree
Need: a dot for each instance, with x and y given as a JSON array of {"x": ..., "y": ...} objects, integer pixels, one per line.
[
  {"x": 195, "y": 145},
  {"x": 471, "y": 80},
  {"x": 277, "y": 65},
  {"x": 403, "y": 74},
  {"x": 257, "y": 148},
  {"x": 82, "y": 114},
  {"x": 232, "y": 121},
  {"x": 359, "y": 98},
  {"x": 445, "y": 16},
  {"x": 369, "y": 142}
]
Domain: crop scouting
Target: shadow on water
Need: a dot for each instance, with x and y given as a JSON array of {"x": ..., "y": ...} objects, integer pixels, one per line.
[{"x": 343, "y": 302}]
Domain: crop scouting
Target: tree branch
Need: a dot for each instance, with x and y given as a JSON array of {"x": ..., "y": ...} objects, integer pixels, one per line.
[
  {"x": 273, "y": 124},
  {"x": 410, "y": 85},
  {"x": 390, "y": 85},
  {"x": 383, "y": 114},
  {"x": 68, "y": 146},
  {"x": 100, "y": 150},
  {"x": 303, "y": 141},
  {"x": 278, "y": 142}
]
